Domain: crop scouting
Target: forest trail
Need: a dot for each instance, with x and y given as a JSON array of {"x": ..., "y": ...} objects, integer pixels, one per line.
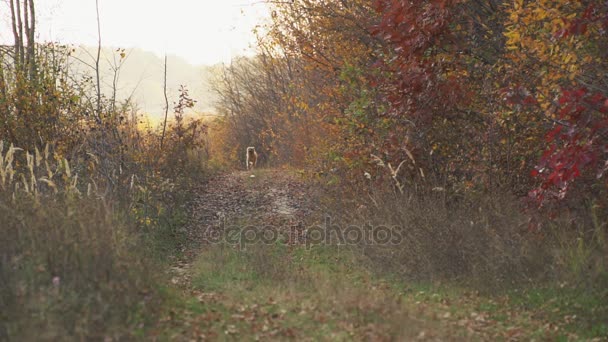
[
  {"x": 261, "y": 198},
  {"x": 237, "y": 286}
]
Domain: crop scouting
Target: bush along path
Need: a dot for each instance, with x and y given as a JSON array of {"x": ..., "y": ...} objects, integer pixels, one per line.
[{"x": 251, "y": 272}]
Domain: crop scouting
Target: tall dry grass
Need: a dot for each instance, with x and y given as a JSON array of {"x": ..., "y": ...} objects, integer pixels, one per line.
[
  {"x": 72, "y": 265},
  {"x": 84, "y": 218},
  {"x": 68, "y": 271},
  {"x": 478, "y": 239}
]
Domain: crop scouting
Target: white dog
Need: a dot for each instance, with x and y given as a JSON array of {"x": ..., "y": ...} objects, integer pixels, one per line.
[{"x": 252, "y": 158}]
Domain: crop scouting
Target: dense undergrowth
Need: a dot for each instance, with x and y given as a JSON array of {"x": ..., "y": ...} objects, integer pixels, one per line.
[
  {"x": 481, "y": 240},
  {"x": 91, "y": 203},
  {"x": 78, "y": 264},
  {"x": 449, "y": 247}
]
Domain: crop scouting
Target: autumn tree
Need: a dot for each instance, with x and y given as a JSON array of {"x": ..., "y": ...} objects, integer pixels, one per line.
[
  {"x": 314, "y": 62},
  {"x": 565, "y": 45}
]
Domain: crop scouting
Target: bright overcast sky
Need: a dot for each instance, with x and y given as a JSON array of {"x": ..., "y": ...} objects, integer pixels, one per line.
[{"x": 201, "y": 31}]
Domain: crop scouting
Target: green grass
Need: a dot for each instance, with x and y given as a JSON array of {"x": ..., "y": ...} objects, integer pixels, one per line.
[
  {"x": 325, "y": 293},
  {"x": 578, "y": 313},
  {"x": 304, "y": 293},
  {"x": 219, "y": 267},
  {"x": 583, "y": 311},
  {"x": 293, "y": 292}
]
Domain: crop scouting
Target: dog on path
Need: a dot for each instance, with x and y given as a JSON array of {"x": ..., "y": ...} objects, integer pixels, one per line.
[{"x": 251, "y": 158}]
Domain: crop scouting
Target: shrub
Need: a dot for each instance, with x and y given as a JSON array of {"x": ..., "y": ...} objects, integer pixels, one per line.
[
  {"x": 68, "y": 269},
  {"x": 71, "y": 261},
  {"x": 481, "y": 240}
]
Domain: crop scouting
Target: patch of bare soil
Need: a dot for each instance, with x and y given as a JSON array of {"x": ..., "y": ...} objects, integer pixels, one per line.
[{"x": 260, "y": 200}]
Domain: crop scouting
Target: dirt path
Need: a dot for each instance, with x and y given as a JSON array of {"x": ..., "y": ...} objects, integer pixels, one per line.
[
  {"x": 282, "y": 289},
  {"x": 260, "y": 199},
  {"x": 279, "y": 290}
]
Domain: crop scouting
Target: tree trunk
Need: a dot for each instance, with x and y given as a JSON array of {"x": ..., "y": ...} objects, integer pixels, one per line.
[
  {"x": 31, "y": 44},
  {"x": 97, "y": 71},
  {"x": 162, "y": 137},
  {"x": 20, "y": 28},
  {"x": 24, "y": 19},
  {"x": 15, "y": 32}
]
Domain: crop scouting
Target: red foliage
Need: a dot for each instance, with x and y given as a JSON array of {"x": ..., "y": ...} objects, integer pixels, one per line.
[
  {"x": 579, "y": 26},
  {"x": 412, "y": 26},
  {"x": 422, "y": 83},
  {"x": 417, "y": 87},
  {"x": 578, "y": 142}
]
